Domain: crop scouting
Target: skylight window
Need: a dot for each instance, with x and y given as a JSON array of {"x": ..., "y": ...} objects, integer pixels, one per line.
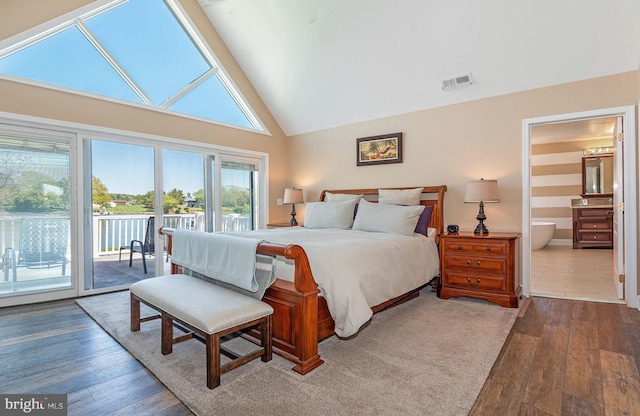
[{"x": 140, "y": 51}]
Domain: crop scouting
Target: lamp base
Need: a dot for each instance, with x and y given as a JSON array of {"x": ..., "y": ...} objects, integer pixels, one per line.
[
  {"x": 481, "y": 229},
  {"x": 293, "y": 221}
]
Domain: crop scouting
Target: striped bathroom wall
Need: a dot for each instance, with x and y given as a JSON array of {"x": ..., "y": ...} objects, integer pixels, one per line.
[{"x": 556, "y": 179}]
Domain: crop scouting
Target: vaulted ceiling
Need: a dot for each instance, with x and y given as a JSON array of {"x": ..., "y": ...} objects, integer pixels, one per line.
[{"x": 319, "y": 64}]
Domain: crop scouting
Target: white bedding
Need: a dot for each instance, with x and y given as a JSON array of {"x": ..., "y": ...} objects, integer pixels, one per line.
[{"x": 356, "y": 270}]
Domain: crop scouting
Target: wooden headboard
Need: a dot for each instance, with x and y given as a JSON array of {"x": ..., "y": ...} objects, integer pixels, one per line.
[{"x": 437, "y": 192}]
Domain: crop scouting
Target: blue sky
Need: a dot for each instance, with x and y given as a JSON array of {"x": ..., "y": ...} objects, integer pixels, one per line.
[
  {"x": 129, "y": 169},
  {"x": 148, "y": 43}
]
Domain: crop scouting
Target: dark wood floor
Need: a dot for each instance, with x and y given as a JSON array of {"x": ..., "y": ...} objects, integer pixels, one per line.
[
  {"x": 56, "y": 348},
  {"x": 566, "y": 357},
  {"x": 562, "y": 357}
]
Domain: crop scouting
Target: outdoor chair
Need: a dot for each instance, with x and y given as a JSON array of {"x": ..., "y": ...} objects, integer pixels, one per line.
[
  {"x": 43, "y": 243},
  {"x": 146, "y": 247}
]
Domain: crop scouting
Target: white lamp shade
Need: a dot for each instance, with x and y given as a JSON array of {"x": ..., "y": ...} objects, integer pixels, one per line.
[
  {"x": 485, "y": 190},
  {"x": 292, "y": 196}
]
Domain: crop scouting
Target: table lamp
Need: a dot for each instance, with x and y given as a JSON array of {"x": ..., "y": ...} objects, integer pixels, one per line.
[
  {"x": 482, "y": 191},
  {"x": 293, "y": 196}
]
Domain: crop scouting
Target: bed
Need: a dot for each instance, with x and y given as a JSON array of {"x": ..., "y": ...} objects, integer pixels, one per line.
[{"x": 302, "y": 316}]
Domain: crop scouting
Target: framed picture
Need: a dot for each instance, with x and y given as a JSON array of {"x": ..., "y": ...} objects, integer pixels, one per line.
[{"x": 378, "y": 150}]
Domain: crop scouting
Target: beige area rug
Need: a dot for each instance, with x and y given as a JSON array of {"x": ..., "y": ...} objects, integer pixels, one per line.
[{"x": 426, "y": 357}]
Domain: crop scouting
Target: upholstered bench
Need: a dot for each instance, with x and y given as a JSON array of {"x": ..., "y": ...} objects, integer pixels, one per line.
[{"x": 207, "y": 310}]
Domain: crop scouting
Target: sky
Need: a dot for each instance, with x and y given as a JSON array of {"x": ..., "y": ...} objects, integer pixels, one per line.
[
  {"x": 129, "y": 169},
  {"x": 149, "y": 45}
]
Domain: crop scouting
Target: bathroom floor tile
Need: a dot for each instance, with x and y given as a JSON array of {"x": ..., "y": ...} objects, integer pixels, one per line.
[{"x": 565, "y": 272}]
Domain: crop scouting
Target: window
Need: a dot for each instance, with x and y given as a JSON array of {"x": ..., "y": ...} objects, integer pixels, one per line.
[{"x": 140, "y": 51}]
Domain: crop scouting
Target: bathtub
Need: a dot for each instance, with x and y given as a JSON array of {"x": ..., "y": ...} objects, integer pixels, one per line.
[{"x": 541, "y": 234}]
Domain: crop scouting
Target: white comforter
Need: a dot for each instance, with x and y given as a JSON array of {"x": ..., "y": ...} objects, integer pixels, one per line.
[{"x": 356, "y": 270}]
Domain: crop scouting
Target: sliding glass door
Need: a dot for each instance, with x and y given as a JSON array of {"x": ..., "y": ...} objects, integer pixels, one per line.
[
  {"x": 80, "y": 209},
  {"x": 122, "y": 208},
  {"x": 35, "y": 211}
]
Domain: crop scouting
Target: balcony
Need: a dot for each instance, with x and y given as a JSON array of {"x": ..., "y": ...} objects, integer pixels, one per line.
[{"x": 110, "y": 233}]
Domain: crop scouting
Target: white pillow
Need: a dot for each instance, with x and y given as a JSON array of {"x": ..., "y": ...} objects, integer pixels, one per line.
[
  {"x": 330, "y": 196},
  {"x": 335, "y": 214},
  {"x": 400, "y": 196},
  {"x": 395, "y": 219}
]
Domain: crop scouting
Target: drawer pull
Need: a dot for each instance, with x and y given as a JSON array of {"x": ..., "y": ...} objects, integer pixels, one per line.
[
  {"x": 459, "y": 247},
  {"x": 488, "y": 248},
  {"x": 471, "y": 265},
  {"x": 473, "y": 284}
]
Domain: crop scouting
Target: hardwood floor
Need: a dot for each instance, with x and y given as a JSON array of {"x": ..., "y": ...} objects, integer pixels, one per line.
[
  {"x": 566, "y": 357},
  {"x": 562, "y": 357},
  {"x": 56, "y": 348}
]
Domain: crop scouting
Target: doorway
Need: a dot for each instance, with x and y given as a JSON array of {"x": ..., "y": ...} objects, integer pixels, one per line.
[
  {"x": 630, "y": 209},
  {"x": 560, "y": 268}
]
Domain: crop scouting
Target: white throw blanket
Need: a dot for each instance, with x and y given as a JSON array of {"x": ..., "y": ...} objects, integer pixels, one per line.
[{"x": 218, "y": 256}]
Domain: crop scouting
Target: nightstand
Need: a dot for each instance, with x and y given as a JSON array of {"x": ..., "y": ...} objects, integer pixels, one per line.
[{"x": 481, "y": 266}]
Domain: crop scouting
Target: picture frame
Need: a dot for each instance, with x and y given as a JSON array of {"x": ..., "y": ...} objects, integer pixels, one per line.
[{"x": 379, "y": 150}]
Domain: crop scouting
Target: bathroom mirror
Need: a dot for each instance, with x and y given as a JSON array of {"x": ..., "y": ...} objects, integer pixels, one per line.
[{"x": 597, "y": 176}]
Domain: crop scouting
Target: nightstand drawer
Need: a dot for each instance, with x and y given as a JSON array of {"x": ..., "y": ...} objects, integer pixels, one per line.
[
  {"x": 473, "y": 264},
  {"x": 475, "y": 282},
  {"x": 466, "y": 246}
]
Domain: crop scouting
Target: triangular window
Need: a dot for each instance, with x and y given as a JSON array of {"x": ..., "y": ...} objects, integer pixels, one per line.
[{"x": 141, "y": 51}]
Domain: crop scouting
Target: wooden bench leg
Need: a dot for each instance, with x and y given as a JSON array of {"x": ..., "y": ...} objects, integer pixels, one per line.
[
  {"x": 134, "y": 310},
  {"x": 266, "y": 328},
  {"x": 213, "y": 360},
  {"x": 166, "y": 344}
]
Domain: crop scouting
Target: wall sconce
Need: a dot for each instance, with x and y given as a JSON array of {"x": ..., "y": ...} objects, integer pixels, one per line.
[
  {"x": 293, "y": 196},
  {"x": 482, "y": 191}
]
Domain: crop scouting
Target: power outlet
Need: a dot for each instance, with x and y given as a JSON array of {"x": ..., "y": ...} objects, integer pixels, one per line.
[{"x": 279, "y": 201}]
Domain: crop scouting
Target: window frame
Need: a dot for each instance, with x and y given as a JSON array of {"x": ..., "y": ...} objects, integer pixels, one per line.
[{"x": 56, "y": 25}]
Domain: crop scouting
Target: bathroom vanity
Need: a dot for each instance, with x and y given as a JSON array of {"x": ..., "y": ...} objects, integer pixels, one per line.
[
  {"x": 593, "y": 227},
  {"x": 593, "y": 213}
]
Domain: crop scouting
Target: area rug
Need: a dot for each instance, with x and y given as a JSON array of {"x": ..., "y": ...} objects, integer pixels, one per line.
[{"x": 425, "y": 357}]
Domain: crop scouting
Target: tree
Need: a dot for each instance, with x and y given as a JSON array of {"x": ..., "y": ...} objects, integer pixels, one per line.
[
  {"x": 99, "y": 192},
  {"x": 199, "y": 197},
  {"x": 39, "y": 193},
  {"x": 177, "y": 195},
  {"x": 235, "y": 199},
  {"x": 12, "y": 164}
]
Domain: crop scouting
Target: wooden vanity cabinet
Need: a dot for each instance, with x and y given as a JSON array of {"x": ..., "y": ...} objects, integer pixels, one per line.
[{"x": 593, "y": 227}]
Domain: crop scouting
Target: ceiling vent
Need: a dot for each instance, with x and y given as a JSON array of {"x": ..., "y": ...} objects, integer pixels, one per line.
[{"x": 456, "y": 81}]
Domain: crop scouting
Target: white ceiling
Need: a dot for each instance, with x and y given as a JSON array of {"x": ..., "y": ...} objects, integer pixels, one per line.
[
  {"x": 319, "y": 64},
  {"x": 595, "y": 128}
]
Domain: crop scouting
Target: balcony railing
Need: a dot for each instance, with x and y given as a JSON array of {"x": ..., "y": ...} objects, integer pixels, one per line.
[{"x": 110, "y": 232}]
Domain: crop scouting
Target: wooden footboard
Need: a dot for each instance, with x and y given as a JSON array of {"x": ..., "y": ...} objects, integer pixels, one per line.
[{"x": 300, "y": 319}]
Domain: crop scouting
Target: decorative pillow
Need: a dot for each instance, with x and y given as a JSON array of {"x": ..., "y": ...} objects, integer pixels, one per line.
[
  {"x": 335, "y": 214},
  {"x": 423, "y": 222},
  {"x": 329, "y": 196},
  {"x": 395, "y": 219},
  {"x": 400, "y": 196}
]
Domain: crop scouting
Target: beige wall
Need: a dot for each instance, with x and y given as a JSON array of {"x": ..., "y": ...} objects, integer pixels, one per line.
[
  {"x": 452, "y": 145},
  {"x": 29, "y": 100}
]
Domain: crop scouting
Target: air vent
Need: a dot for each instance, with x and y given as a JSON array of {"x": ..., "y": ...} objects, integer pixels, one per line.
[{"x": 456, "y": 81}]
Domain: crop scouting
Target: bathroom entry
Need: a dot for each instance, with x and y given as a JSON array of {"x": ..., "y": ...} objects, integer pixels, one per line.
[{"x": 558, "y": 183}]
